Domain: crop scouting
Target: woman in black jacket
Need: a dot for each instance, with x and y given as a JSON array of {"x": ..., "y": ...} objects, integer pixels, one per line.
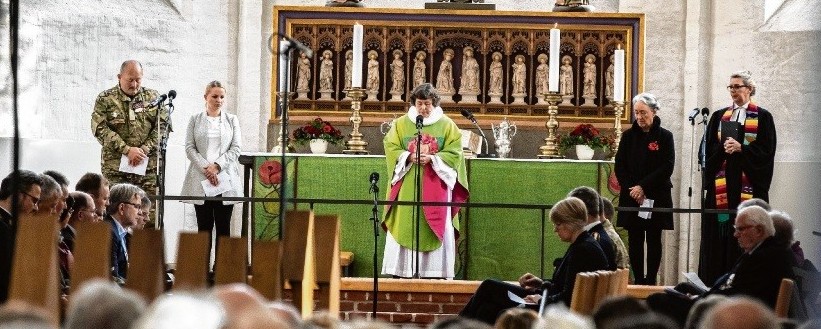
[
  {"x": 583, "y": 255},
  {"x": 644, "y": 164}
]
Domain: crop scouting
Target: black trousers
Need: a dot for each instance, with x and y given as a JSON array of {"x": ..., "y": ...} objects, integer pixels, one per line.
[
  {"x": 491, "y": 299},
  {"x": 636, "y": 239},
  {"x": 214, "y": 213}
]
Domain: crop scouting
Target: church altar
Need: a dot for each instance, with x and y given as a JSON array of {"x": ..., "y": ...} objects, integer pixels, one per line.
[{"x": 494, "y": 242}]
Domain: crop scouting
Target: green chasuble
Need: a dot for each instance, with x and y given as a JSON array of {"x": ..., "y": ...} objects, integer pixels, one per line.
[{"x": 398, "y": 220}]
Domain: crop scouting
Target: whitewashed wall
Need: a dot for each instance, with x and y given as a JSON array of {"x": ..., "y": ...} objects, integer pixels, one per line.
[{"x": 691, "y": 48}]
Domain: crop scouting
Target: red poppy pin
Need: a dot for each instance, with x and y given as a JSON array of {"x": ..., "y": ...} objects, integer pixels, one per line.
[{"x": 653, "y": 146}]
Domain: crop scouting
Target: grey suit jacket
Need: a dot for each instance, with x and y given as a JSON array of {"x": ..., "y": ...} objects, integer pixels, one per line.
[{"x": 196, "y": 146}]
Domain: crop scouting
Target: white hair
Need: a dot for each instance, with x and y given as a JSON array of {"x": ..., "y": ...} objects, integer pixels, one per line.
[
  {"x": 648, "y": 99},
  {"x": 758, "y": 216}
]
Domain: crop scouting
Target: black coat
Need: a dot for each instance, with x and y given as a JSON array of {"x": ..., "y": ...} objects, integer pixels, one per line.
[
  {"x": 758, "y": 274},
  {"x": 638, "y": 164},
  {"x": 583, "y": 255},
  {"x": 719, "y": 248},
  {"x": 8, "y": 231}
]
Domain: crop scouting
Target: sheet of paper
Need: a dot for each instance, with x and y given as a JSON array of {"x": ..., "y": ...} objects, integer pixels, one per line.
[
  {"x": 223, "y": 186},
  {"x": 694, "y": 279},
  {"x": 648, "y": 203},
  {"x": 139, "y": 169},
  {"x": 518, "y": 300}
]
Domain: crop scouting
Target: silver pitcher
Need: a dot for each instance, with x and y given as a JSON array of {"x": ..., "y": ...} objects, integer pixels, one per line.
[
  {"x": 503, "y": 133},
  {"x": 386, "y": 126}
]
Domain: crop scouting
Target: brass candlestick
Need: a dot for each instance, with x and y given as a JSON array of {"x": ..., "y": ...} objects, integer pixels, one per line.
[
  {"x": 279, "y": 148},
  {"x": 619, "y": 108},
  {"x": 355, "y": 145},
  {"x": 550, "y": 150}
]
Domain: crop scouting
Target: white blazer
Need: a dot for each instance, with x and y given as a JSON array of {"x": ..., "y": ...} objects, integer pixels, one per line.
[{"x": 196, "y": 146}]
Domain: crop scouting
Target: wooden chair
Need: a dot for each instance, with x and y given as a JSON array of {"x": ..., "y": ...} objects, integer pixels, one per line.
[
  {"x": 298, "y": 258},
  {"x": 232, "y": 261},
  {"x": 584, "y": 291},
  {"x": 326, "y": 239},
  {"x": 34, "y": 271},
  {"x": 782, "y": 303},
  {"x": 602, "y": 287},
  {"x": 146, "y": 264},
  {"x": 618, "y": 282},
  {"x": 92, "y": 253},
  {"x": 266, "y": 268},
  {"x": 191, "y": 272}
]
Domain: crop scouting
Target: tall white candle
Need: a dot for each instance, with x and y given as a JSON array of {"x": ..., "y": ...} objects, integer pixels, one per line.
[
  {"x": 356, "y": 74},
  {"x": 553, "y": 74},
  {"x": 618, "y": 76}
]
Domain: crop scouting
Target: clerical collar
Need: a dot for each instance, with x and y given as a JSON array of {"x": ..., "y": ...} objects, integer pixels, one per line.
[
  {"x": 434, "y": 116},
  {"x": 745, "y": 106}
]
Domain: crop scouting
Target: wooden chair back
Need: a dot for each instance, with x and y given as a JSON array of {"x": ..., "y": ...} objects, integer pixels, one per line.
[
  {"x": 326, "y": 237},
  {"x": 266, "y": 268},
  {"x": 92, "y": 253},
  {"x": 298, "y": 258},
  {"x": 146, "y": 264},
  {"x": 584, "y": 291},
  {"x": 782, "y": 303},
  {"x": 602, "y": 287},
  {"x": 34, "y": 270},
  {"x": 191, "y": 272},
  {"x": 232, "y": 261}
]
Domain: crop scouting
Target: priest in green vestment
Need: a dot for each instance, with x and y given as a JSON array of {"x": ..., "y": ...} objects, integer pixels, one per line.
[{"x": 441, "y": 170}]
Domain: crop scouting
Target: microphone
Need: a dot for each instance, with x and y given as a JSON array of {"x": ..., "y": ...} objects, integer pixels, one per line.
[
  {"x": 157, "y": 101},
  {"x": 172, "y": 94},
  {"x": 298, "y": 45},
  {"x": 467, "y": 114},
  {"x": 705, "y": 112},
  {"x": 374, "y": 178},
  {"x": 693, "y": 114},
  {"x": 419, "y": 119}
]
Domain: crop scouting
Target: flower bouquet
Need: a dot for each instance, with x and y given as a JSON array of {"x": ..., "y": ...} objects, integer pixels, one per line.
[
  {"x": 585, "y": 135},
  {"x": 318, "y": 129}
]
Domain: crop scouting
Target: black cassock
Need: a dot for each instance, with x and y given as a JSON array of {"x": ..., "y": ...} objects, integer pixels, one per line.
[{"x": 719, "y": 248}]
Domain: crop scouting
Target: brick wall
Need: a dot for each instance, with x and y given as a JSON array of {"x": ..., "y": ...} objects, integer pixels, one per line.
[{"x": 398, "y": 307}]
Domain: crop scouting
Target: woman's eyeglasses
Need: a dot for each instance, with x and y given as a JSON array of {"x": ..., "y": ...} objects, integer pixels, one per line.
[{"x": 735, "y": 87}]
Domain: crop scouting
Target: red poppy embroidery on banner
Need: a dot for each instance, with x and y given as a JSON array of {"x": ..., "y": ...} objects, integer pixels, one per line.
[{"x": 653, "y": 146}]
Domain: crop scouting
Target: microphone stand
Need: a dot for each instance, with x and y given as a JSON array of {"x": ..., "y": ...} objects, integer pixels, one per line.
[
  {"x": 690, "y": 187},
  {"x": 418, "y": 197},
  {"x": 163, "y": 129},
  {"x": 487, "y": 153},
  {"x": 375, "y": 219}
]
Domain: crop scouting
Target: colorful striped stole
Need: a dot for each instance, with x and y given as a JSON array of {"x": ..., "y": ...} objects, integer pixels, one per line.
[{"x": 750, "y": 134}]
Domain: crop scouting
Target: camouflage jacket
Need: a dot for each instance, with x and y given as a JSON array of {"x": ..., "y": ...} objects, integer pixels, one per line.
[{"x": 119, "y": 122}]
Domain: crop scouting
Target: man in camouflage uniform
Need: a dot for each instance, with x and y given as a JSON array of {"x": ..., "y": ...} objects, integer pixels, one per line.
[{"x": 125, "y": 124}]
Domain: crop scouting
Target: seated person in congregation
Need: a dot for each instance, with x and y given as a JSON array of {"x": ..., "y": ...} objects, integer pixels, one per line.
[
  {"x": 123, "y": 211},
  {"x": 757, "y": 273},
  {"x": 594, "y": 226},
  {"x": 584, "y": 254}
]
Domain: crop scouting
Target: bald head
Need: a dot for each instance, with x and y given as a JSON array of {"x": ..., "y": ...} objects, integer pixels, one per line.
[
  {"x": 245, "y": 307},
  {"x": 725, "y": 315},
  {"x": 130, "y": 77}
]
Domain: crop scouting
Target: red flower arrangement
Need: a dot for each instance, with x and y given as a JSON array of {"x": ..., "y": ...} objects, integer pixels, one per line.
[
  {"x": 653, "y": 146},
  {"x": 584, "y": 134},
  {"x": 318, "y": 129}
]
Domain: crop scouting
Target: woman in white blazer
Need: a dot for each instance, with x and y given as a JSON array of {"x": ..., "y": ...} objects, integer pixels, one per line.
[{"x": 212, "y": 144}]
